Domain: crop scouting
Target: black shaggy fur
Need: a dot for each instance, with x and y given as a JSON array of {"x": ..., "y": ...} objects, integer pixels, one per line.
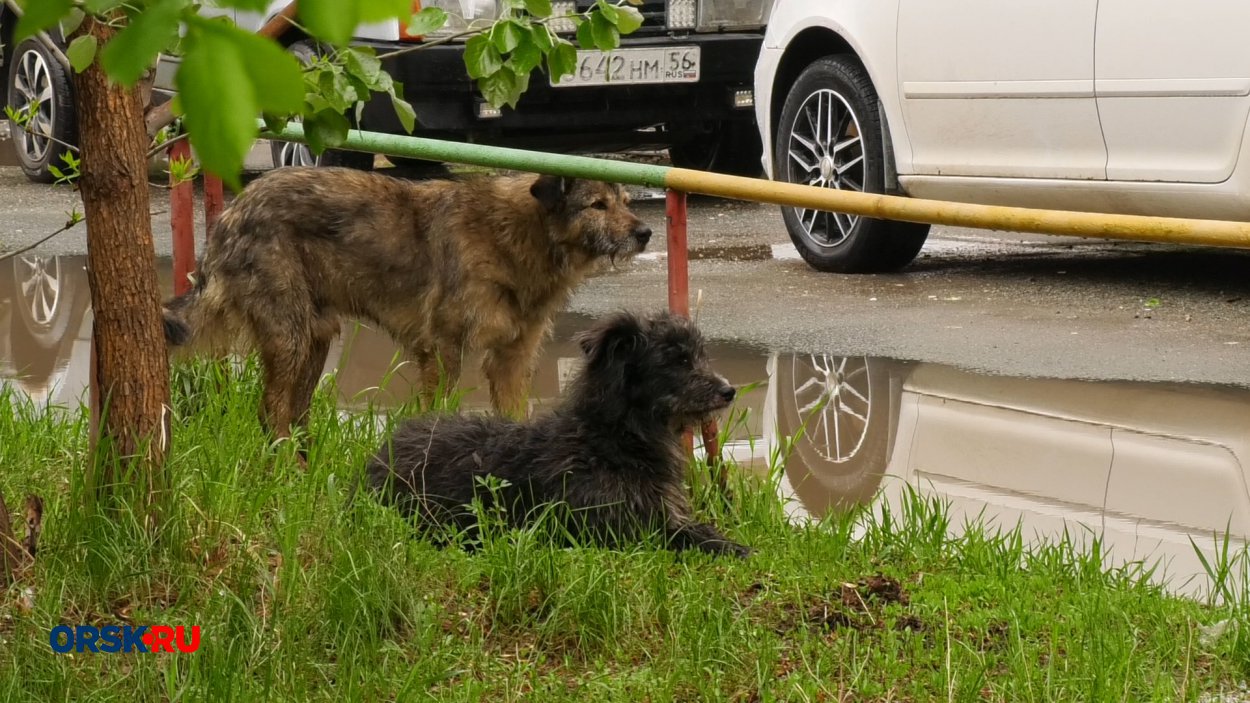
[{"x": 609, "y": 459}]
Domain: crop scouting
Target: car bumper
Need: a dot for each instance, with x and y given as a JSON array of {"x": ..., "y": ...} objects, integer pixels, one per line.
[{"x": 446, "y": 100}]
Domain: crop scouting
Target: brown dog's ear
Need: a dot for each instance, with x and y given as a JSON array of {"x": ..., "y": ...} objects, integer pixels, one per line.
[
  {"x": 622, "y": 332},
  {"x": 552, "y": 190}
]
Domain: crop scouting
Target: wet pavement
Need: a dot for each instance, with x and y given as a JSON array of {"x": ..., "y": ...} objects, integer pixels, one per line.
[{"x": 1149, "y": 466}]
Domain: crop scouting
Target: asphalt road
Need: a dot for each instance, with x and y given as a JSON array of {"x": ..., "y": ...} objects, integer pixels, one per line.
[{"x": 988, "y": 301}]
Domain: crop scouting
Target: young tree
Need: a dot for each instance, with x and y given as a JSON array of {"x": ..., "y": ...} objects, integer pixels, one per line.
[{"x": 227, "y": 78}]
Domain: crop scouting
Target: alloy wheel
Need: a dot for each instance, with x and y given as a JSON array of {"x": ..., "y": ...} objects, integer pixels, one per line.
[
  {"x": 32, "y": 85},
  {"x": 826, "y": 149}
]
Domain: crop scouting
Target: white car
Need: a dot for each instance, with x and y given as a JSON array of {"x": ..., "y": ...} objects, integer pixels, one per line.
[{"x": 1127, "y": 106}]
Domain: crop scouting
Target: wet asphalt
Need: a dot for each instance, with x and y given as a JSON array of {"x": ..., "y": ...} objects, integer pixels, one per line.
[{"x": 996, "y": 302}]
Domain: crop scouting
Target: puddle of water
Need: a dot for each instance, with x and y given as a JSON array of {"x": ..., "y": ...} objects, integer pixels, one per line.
[
  {"x": 1147, "y": 466},
  {"x": 745, "y": 252}
]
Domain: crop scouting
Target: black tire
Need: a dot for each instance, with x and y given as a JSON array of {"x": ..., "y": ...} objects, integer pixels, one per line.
[
  {"x": 833, "y": 241},
  {"x": 840, "y": 457},
  {"x": 733, "y": 149},
  {"x": 298, "y": 154},
  {"x": 33, "y": 63}
]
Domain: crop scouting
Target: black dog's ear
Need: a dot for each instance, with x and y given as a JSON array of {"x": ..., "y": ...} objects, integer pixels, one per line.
[
  {"x": 552, "y": 190},
  {"x": 620, "y": 333}
]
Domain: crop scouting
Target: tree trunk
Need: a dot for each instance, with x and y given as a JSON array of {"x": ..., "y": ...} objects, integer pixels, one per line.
[
  {"x": 131, "y": 367},
  {"x": 10, "y": 548}
]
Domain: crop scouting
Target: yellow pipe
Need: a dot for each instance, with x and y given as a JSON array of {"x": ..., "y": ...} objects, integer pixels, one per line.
[{"x": 1172, "y": 230}]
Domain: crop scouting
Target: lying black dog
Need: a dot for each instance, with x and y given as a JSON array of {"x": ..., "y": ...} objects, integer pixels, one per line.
[{"x": 608, "y": 460}]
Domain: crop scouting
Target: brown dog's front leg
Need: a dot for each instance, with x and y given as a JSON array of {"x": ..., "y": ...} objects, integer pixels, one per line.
[
  {"x": 704, "y": 537},
  {"x": 509, "y": 370}
]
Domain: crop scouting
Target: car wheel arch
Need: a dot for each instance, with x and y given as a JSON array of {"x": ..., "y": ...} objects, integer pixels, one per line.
[{"x": 809, "y": 45}]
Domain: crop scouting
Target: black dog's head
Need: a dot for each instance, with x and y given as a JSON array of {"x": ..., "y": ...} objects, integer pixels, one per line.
[
  {"x": 592, "y": 216},
  {"x": 651, "y": 368}
]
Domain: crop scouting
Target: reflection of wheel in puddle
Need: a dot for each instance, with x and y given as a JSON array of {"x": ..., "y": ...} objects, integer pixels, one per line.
[
  {"x": 43, "y": 297},
  {"x": 39, "y": 280},
  {"x": 842, "y": 406},
  {"x": 835, "y": 401}
]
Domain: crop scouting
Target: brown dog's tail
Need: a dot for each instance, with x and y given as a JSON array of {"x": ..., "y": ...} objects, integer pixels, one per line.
[{"x": 181, "y": 315}]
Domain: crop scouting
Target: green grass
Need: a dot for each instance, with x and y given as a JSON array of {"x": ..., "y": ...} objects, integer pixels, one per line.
[{"x": 301, "y": 599}]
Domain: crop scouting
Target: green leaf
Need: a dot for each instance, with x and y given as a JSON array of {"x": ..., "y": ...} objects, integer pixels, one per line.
[
  {"x": 81, "y": 52},
  {"x": 72, "y": 21},
  {"x": 362, "y": 63},
  {"x": 500, "y": 88},
  {"x": 220, "y": 105},
  {"x": 38, "y": 15},
  {"x": 538, "y": 8},
  {"x": 407, "y": 115},
  {"x": 481, "y": 58},
  {"x": 275, "y": 74},
  {"x": 100, "y": 7},
  {"x": 314, "y": 103},
  {"x": 507, "y": 35},
  {"x": 249, "y": 5},
  {"x": 608, "y": 10},
  {"x": 275, "y": 123},
  {"x": 526, "y": 56},
  {"x": 429, "y": 19},
  {"x": 606, "y": 35},
  {"x": 331, "y": 20},
  {"x": 585, "y": 35},
  {"x": 379, "y": 10},
  {"x": 325, "y": 130},
  {"x": 628, "y": 19},
  {"x": 541, "y": 38},
  {"x": 134, "y": 50},
  {"x": 337, "y": 90},
  {"x": 562, "y": 60}
]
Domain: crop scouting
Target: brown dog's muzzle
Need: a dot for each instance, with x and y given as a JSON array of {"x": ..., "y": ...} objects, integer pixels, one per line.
[{"x": 642, "y": 233}]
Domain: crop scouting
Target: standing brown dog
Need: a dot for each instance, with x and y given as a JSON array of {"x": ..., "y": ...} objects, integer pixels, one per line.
[{"x": 442, "y": 266}]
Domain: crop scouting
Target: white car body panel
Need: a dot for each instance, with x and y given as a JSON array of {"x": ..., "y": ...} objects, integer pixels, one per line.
[
  {"x": 1173, "y": 87},
  {"x": 1128, "y": 106},
  {"x": 1009, "y": 93}
]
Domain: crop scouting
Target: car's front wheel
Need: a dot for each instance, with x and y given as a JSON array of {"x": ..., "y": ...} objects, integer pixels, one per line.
[
  {"x": 39, "y": 88},
  {"x": 830, "y": 135}
]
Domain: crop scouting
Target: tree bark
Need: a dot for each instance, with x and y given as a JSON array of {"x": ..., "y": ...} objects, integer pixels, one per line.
[
  {"x": 10, "y": 548},
  {"x": 131, "y": 367}
]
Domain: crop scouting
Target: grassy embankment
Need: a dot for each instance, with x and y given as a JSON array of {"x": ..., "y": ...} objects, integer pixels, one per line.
[{"x": 299, "y": 599}]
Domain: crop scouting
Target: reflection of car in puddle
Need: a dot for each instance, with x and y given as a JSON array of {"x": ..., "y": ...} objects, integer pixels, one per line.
[
  {"x": 1146, "y": 465},
  {"x": 43, "y": 301}
]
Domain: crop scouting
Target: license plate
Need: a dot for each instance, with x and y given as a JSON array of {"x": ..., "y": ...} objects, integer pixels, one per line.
[{"x": 678, "y": 64}]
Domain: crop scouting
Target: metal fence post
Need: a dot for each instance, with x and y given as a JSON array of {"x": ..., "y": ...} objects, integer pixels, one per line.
[
  {"x": 679, "y": 304},
  {"x": 214, "y": 202},
  {"x": 181, "y": 216}
]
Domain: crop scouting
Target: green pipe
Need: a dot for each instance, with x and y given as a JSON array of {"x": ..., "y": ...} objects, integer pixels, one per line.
[
  {"x": 492, "y": 156},
  {"x": 1081, "y": 224}
]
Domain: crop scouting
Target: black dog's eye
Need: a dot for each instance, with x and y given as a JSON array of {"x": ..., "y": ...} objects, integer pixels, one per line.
[
  {"x": 685, "y": 361},
  {"x": 599, "y": 205}
]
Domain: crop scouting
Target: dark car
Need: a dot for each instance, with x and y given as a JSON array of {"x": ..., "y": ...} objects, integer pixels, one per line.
[{"x": 682, "y": 81}]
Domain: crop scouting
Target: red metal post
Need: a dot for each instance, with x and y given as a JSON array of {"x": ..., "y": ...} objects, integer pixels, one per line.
[
  {"x": 181, "y": 215},
  {"x": 214, "y": 201},
  {"x": 678, "y": 255},
  {"x": 679, "y": 303},
  {"x": 678, "y": 269}
]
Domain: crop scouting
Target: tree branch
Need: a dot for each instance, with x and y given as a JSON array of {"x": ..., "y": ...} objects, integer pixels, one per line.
[{"x": 68, "y": 226}]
